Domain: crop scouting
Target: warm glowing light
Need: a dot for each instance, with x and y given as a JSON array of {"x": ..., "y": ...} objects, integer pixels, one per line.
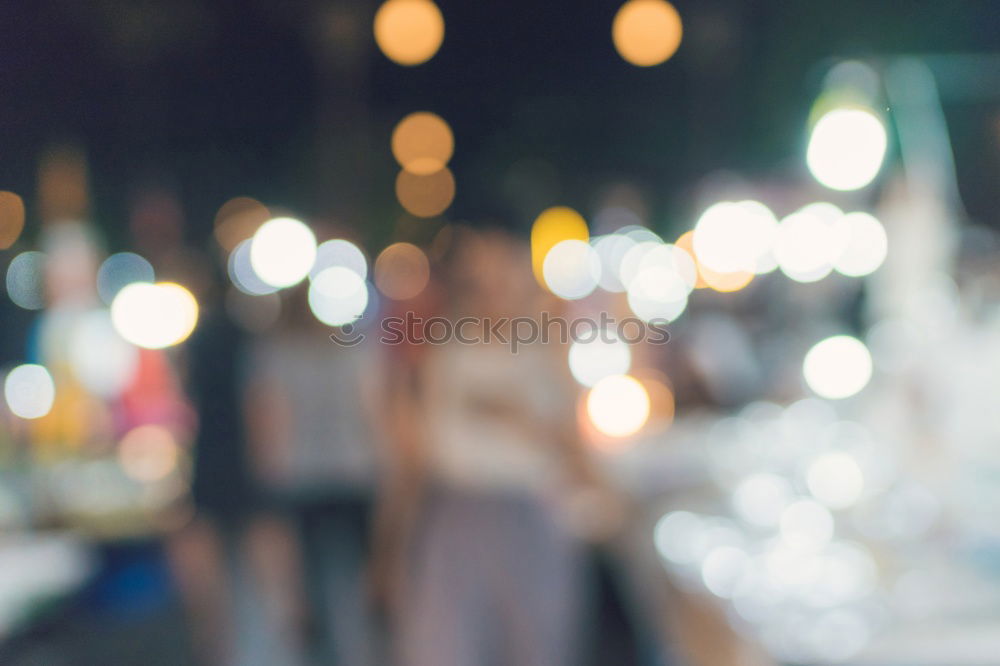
[
  {"x": 425, "y": 195},
  {"x": 154, "y": 315},
  {"x": 339, "y": 252},
  {"x": 598, "y": 354},
  {"x": 571, "y": 269},
  {"x": 836, "y": 479},
  {"x": 735, "y": 237},
  {"x": 120, "y": 270},
  {"x": 237, "y": 220},
  {"x": 846, "y": 148},
  {"x": 25, "y": 282},
  {"x": 29, "y": 391},
  {"x": 282, "y": 251},
  {"x": 725, "y": 282},
  {"x": 101, "y": 360},
  {"x": 148, "y": 453},
  {"x": 551, "y": 227},
  {"x": 402, "y": 271},
  {"x": 11, "y": 219},
  {"x": 422, "y": 143},
  {"x": 409, "y": 32},
  {"x": 867, "y": 245},
  {"x": 646, "y": 32},
  {"x": 338, "y": 296},
  {"x": 837, "y": 367},
  {"x": 618, "y": 405}
]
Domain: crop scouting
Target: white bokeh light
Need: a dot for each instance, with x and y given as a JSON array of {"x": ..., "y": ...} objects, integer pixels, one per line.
[
  {"x": 837, "y": 367},
  {"x": 572, "y": 269},
  {"x": 154, "y": 316},
  {"x": 29, "y": 391},
  {"x": 835, "y": 479},
  {"x": 100, "y": 358},
  {"x": 732, "y": 237},
  {"x": 618, "y": 405},
  {"x": 599, "y": 355},
  {"x": 657, "y": 294},
  {"x": 338, "y": 296},
  {"x": 612, "y": 249},
  {"x": 809, "y": 241},
  {"x": 339, "y": 252},
  {"x": 760, "y": 498},
  {"x": 242, "y": 274},
  {"x": 846, "y": 148},
  {"x": 283, "y": 251},
  {"x": 806, "y": 524},
  {"x": 866, "y": 247},
  {"x": 119, "y": 270}
]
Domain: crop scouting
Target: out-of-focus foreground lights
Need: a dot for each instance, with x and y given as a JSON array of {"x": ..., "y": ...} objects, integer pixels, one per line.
[
  {"x": 618, "y": 406},
  {"x": 422, "y": 143},
  {"x": 283, "y": 251},
  {"x": 835, "y": 479},
  {"x": 867, "y": 245},
  {"x": 732, "y": 237},
  {"x": 237, "y": 220},
  {"x": 339, "y": 252},
  {"x": 11, "y": 219},
  {"x": 338, "y": 296},
  {"x": 846, "y": 148},
  {"x": 25, "y": 284},
  {"x": 571, "y": 269},
  {"x": 242, "y": 274},
  {"x": 658, "y": 294},
  {"x": 723, "y": 569},
  {"x": 409, "y": 32},
  {"x": 837, "y": 367},
  {"x": 120, "y": 270},
  {"x": 611, "y": 249},
  {"x": 806, "y": 524},
  {"x": 148, "y": 453},
  {"x": 598, "y": 355},
  {"x": 101, "y": 360},
  {"x": 809, "y": 241},
  {"x": 553, "y": 226},
  {"x": 425, "y": 194},
  {"x": 401, "y": 271},
  {"x": 29, "y": 391},
  {"x": 760, "y": 498},
  {"x": 646, "y": 32},
  {"x": 154, "y": 316}
]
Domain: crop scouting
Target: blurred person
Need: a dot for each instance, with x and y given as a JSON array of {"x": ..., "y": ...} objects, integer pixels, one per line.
[
  {"x": 306, "y": 407},
  {"x": 493, "y": 573}
]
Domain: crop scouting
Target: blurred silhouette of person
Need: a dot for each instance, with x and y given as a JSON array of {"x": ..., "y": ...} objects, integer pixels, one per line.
[
  {"x": 488, "y": 446},
  {"x": 307, "y": 405}
]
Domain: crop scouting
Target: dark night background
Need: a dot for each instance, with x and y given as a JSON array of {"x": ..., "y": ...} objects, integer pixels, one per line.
[{"x": 292, "y": 103}]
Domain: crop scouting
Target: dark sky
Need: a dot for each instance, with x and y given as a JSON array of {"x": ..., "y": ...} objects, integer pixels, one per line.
[{"x": 245, "y": 97}]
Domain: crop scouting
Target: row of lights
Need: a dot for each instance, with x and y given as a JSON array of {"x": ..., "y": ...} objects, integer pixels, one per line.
[{"x": 645, "y": 32}]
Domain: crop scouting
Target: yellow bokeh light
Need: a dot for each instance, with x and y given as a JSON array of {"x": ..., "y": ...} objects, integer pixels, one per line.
[
  {"x": 553, "y": 226},
  {"x": 409, "y": 32},
  {"x": 425, "y": 195},
  {"x": 401, "y": 271},
  {"x": 11, "y": 219},
  {"x": 422, "y": 143},
  {"x": 647, "y": 32}
]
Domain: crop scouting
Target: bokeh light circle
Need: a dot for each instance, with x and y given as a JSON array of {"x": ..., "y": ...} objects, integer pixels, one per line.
[
  {"x": 422, "y": 143},
  {"x": 599, "y": 355},
  {"x": 119, "y": 270},
  {"x": 29, "y": 391},
  {"x": 154, "y": 316},
  {"x": 846, "y": 148},
  {"x": 837, "y": 367},
  {"x": 338, "y": 296},
  {"x": 409, "y": 32},
  {"x": 283, "y": 251},
  {"x": 646, "y": 32},
  {"x": 618, "y": 406},
  {"x": 11, "y": 219},
  {"x": 401, "y": 271},
  {"x": 571, "y": 269},
  {"x": 425, "y": 195}
]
